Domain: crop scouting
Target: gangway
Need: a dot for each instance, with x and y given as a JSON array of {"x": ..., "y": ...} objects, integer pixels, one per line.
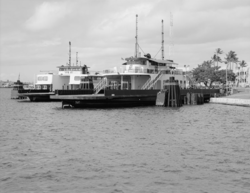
[
  {"x": 101, "y": 85},
  {"x": 151, "y": 82}
]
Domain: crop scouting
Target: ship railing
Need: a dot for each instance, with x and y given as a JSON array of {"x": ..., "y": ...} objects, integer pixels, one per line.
[
  {"x": 140, "y": 70},
  {"x": 101, "y": 85}
]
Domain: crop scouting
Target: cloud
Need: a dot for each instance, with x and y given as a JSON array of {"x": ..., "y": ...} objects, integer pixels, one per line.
[
  {"x": 46, "y": 43},
  {"x": 106, "y": 28},
  {"x": 47, "y": 15}
]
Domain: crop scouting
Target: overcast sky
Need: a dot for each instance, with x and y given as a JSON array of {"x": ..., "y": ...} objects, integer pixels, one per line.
[{"x": 34, "y": 34}]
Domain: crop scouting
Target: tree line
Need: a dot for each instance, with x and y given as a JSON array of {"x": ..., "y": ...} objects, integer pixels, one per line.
[{"x": 209, "y": 71}]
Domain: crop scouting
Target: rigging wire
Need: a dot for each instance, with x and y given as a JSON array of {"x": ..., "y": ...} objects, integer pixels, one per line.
[
  {"x": 157, "y": 53},
  {"x": 141, "y": 49}
]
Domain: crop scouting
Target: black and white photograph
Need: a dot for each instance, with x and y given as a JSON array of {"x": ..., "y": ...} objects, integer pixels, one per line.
[{"x": 124, "y": 96}]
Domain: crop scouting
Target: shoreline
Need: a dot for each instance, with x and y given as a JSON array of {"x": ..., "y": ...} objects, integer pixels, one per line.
[{"x": 238, "y": 99}]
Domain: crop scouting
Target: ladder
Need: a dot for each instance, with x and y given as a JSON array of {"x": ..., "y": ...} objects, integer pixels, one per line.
[
  {"x": 150, "y": 83},
  {"x": 102, "y": 84}
]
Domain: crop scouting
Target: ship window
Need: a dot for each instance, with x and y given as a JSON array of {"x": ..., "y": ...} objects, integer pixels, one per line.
[
  {"x": 77, "y": 78},
  {"x": 42, "y": 78}
]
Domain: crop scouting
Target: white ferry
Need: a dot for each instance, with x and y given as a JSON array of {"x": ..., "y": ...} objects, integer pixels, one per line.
[
  {"x": 47, "y": 84},
  {"x": 142, "y": 73}
]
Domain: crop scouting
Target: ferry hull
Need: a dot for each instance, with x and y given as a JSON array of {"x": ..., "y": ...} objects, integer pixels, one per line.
[
  {"x": 45, "y": 95},
  {"x": 122, "y": 101},
  {"x": 122, "y": 98}
]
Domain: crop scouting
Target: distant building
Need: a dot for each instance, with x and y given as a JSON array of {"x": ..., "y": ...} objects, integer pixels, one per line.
[{"x": 243, "y": 76}]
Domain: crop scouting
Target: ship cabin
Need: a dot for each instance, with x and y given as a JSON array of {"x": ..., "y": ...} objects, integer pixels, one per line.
[
  {"x": 18, "y": 85},
  {"x": 143, "y": 74},
  {"x": 68, "y": 78},
  {"x": 90, "y": 82}
]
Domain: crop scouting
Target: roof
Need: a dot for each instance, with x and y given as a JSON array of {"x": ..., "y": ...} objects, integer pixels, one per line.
[
  {"x": 150, "y": 59},
  {"x": 72, "y": 66},
  {"x": 161, "y": 61}
]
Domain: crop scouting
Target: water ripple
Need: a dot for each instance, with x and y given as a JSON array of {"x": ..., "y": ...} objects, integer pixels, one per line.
[{"x": 44, "y": 148}]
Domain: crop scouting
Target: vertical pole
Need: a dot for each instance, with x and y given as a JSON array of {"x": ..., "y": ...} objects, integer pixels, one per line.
[
  {"x": 136, "y": 38},
  {"x": 121, "y": 82},
  {"x": 162, "y": 42},
  {"x": 226, "y": 78},
  {"x": 170, "y": 35},
  {"x": 76, "y": 58},
  {"x": 169, "y": 92},
  {"x": 69, "y": 53},
  {"x": 185, "y": 76}
]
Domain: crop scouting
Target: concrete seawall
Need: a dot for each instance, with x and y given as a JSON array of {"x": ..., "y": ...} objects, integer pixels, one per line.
[{"x": 231, "y": 101}]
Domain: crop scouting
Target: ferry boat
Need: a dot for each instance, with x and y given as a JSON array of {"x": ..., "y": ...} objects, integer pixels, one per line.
[
  {"x": 66, "y": 80},
  {"x": 16, "y": 88},
  {"x": 136, "y": 83}
]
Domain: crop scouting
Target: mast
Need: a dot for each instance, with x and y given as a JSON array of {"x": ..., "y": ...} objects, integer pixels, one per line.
[
  {"x": 136, "y": 38},
  {"x": 170, "y": 34},
  {"x": 76, "y": 58},
  {"x": 162, "y": 42},
  {"x": 69, "y": 53}
]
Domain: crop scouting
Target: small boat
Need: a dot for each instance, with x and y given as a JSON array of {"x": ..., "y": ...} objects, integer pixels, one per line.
[{"x": 17, "y": 86}]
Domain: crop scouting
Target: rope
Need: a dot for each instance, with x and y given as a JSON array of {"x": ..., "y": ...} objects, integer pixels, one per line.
[
  {"x": 157, "y": 53},
  {"x": 141, "y": 49}
]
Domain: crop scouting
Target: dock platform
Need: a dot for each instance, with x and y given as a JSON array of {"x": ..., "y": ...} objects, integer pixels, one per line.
[{"x": 239, "y": 99}]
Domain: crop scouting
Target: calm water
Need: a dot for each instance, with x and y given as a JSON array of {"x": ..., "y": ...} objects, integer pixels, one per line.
[{"x": 44, "y": 148}]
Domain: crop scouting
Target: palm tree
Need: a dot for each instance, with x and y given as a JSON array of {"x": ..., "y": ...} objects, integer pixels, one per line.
[
  {"x": 216, "y": 58},
  {"x": 231, "y": 59},
  {"x": 218, "y": 51},
  {"x": 242, "y": 65}
]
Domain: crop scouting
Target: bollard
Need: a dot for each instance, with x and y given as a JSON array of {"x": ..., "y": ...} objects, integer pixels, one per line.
[
  {"x": 173, "y": 97},
  {"x": 194, "y": 99},
  {"x": 199, "y": 100},
  {"x": 185, "y": 100},
  {"x": 202, "y": 98},
  {"x": 188, "y": 98}
]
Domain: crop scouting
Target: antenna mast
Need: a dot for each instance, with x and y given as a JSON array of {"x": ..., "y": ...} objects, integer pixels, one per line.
[
  {"x": 136, "y": 38},
  {"x": 162, "y": 42},
  {"x": 76, "y": 58},
  {"x": 69, "y": 53},
  {"x": 170, "y": 34}
]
